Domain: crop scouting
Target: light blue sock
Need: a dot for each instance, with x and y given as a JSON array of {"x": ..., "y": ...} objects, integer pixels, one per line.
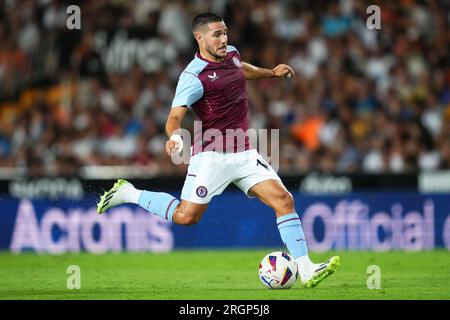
[
  {"x": 292, "y": 234},
  {"x": 159, "y": 203}
]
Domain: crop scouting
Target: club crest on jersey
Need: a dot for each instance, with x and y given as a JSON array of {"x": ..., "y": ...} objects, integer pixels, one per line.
[
  {"x": 202, "y": 191},
  {"x": 213, "y": 76},
  {"x": 237, "y": 62}
]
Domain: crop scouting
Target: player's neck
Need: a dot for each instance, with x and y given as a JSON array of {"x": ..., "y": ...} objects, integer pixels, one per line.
[{"x": 205, "y": 55}]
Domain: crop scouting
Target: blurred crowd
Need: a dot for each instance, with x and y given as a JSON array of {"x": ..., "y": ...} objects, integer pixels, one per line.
[{"x": 372, "y": 101}]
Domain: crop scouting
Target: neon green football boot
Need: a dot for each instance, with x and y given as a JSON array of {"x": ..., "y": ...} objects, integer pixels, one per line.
[
  {"x": 322, "y": 271},
  {"x": 114, "y": 196}
]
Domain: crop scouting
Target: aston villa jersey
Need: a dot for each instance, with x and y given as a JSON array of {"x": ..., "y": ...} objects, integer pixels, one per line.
[{"x": 216, "y": 91}]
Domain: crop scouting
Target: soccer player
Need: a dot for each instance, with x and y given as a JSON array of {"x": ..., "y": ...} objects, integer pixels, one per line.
[{"x": 213, "y": 85}]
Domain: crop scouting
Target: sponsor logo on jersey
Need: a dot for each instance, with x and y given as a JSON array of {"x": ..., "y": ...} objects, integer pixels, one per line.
[{"x": 213, "y": 76}]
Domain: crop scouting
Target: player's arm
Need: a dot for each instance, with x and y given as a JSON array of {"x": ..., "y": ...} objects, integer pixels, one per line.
[
  {"x": 252, "y": 72},
  {"x": 189, "y": 90},
  {"x": 173, "y": 124}
]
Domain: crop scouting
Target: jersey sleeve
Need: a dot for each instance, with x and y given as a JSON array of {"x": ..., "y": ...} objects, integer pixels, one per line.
[{"x": 189, "y": 90}]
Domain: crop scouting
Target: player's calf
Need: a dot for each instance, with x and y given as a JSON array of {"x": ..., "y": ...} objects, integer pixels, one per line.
[
  {"x": 188, "y": 213},
  {"x": 283, "y": 204}
]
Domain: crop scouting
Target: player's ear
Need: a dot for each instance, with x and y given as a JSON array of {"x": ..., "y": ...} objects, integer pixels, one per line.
[{"x": 197, "y": 35}]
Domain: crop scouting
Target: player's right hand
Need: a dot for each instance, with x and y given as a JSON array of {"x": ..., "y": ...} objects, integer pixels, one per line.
[
  {"x": 171, "y": 147},
  {"x": 175, "y": 144}
]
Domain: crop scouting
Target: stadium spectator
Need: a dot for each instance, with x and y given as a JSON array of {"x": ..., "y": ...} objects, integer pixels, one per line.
[{"x": 363, "y": 101}]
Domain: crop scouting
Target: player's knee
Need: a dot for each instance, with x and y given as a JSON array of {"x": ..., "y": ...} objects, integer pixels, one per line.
[
  {"x": 187, "y": 217},
  {"x": 285, "y": 202},
  {"x": 189, "y": 220}
]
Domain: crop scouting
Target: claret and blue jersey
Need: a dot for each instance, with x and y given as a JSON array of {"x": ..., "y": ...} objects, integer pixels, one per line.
[{"x": 216, "y": 91}]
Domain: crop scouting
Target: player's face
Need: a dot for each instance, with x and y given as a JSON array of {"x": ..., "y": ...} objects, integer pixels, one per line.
[{"x": 215, "y": 40}]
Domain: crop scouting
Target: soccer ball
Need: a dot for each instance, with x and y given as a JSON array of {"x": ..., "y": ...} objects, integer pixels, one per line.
[{"x": 278, "y": 270}]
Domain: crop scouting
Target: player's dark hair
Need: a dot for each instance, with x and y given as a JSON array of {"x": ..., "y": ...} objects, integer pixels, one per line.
[{"x": 204, "y": 18}]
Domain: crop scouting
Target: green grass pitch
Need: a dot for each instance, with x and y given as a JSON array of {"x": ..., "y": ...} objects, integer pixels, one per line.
[{"x": 218, "y": 275}]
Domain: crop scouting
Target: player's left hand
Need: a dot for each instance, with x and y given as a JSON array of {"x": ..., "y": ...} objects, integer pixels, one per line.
[{"x": 283, "y": 70}]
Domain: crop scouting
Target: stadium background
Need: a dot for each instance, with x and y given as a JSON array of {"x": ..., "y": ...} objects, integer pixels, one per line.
[{"x": 364, "y": 126}]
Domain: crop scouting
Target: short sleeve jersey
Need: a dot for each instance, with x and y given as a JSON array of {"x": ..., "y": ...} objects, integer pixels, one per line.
[{"x": 216, "y": 91}]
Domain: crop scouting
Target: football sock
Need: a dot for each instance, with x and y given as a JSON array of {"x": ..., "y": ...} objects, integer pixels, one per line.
[
  {"x": 293, "y": 237},
  {"x": 158, "y": 203},
  {"x": 130, "y": 194},
  {"x": 305, "y": 267}
]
